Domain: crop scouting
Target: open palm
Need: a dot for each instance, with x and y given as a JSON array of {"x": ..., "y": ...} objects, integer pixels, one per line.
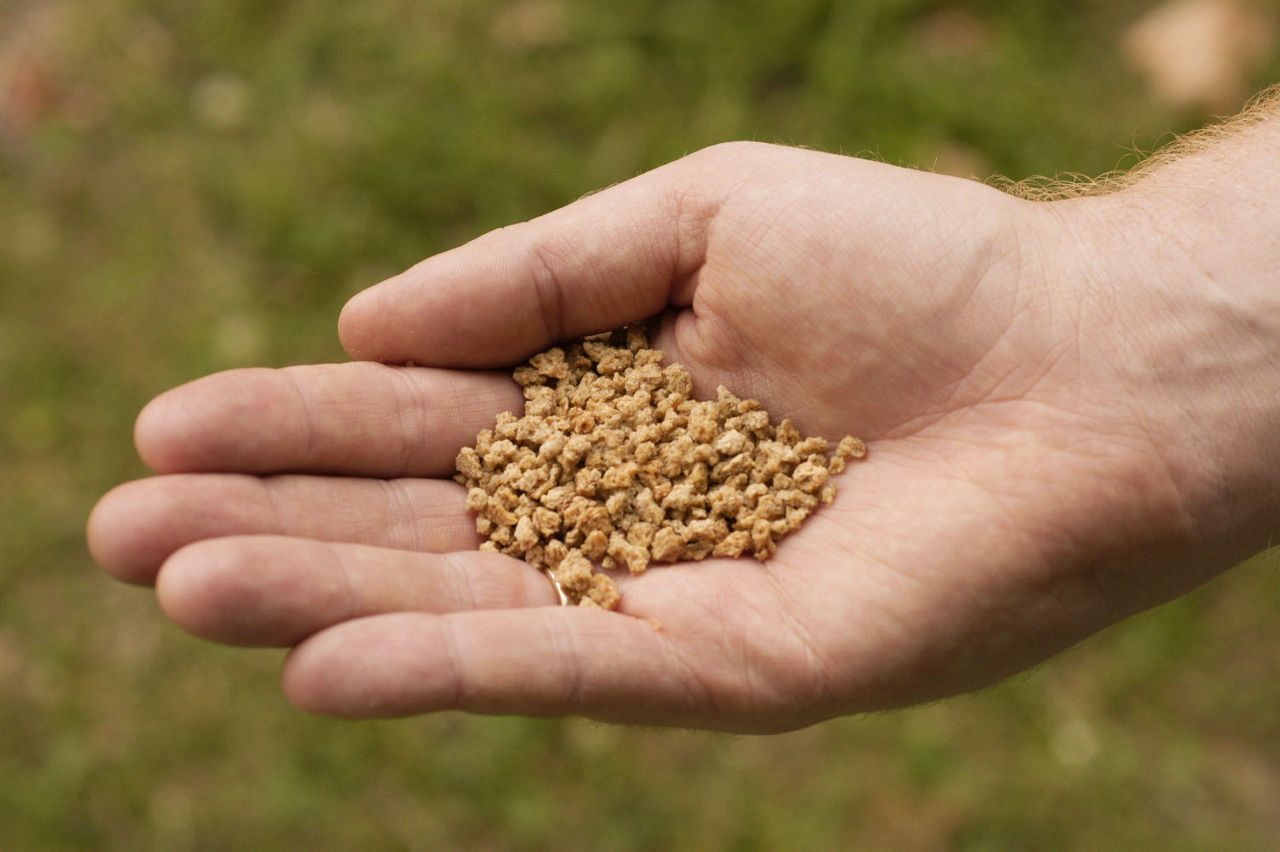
[{"x": 934, "y": 317}]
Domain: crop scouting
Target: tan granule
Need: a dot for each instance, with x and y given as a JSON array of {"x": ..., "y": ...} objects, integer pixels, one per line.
[{"x": 613, "y": 464}]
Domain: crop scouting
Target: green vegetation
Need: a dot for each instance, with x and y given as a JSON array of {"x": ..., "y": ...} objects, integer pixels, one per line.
[{"x": 198, "y": 186}]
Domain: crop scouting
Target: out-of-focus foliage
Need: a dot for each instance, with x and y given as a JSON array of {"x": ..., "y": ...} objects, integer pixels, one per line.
[{"x": 188, "y": 186}]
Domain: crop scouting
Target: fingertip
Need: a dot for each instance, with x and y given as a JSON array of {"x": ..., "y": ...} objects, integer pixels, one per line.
[
  {"x": 307, "y": 678},
  {"x": 247, "y": 591},
  {"x": 373, "y": 667},
  {"x": 378, "y": 325},
  {"x": 353, "y": 325},
  {"x": 210, "y": 589},
  {"x": 97, "y": 535},
  {"x": 153, "y": 433},
  {"x": 295, "y": 682},
  {"x": 189, "y": 588},
  {"x": 174, "y": 431},
  {"x": 220, "y": 422},
  {"x": 117, "y": 537}
]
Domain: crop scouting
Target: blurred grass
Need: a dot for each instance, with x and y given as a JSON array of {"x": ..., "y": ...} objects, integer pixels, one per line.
[{"x": 200, "y": 186}]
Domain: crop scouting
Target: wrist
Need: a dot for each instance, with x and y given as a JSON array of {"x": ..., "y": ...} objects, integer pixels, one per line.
[{"x": 1182, "y": 307}]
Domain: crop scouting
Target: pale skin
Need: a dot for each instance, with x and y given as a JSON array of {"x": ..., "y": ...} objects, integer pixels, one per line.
[{"x": 1071, "y": 409}]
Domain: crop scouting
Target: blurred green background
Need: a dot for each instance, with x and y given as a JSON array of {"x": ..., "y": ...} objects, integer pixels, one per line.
[{"x": 191, "y": 186}]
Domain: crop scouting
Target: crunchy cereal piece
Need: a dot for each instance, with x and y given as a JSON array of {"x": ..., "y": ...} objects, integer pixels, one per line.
[
  {"x": 555, "y": 552},
  {"x": 468, "y": 465},
  {"x": 706, "y": 530},
  {"x": 682, "y": 497},
  {"x": 596, "y": 518},
  {"x": 731, "y": 443},
  {"x": 574, "y": 572},
  {"x": 550, "y": 364},
  {"x": 734, "y": 544},
  {"x": 500, "y": 453},
  {"x": 526, "y": 376},
  {"x": 851, "y": 448},
  {"x": 587, "y": 482},
  {"x": 636, "y": 338},
  {"x": 641, "y": 533},
  {"x": 810, "y": 446},
  {"x": 574, "y": 449},
  {"x": 495, "y": 512},
  {"x": 787, "y": 433},
  {"x": 725, "y": 501},
  {"x": 603, "y": 593},
  {"x": 618, "y": 505},
  {"x": 647, "y": 508},
  {"x": 666, "y": 546},
  {"x": 539, "y": 404},
  {"x": 810, "y": 477},
  {"x": 525, "y": 535},
  {"x": 596, "y": 545},
  {"x": 769, "y": 507},
  {"x": 635, "y": 557},
  {"x": 702, "y": 422},
  {"x": 609, "y": 360},
  {"x": 613, "y": 463},
  {"x": 504, "y": 426},
  {"x": 546, "y": 521},
  {"x": 620, "y": 476},
  {"x": 762, "y": 539}
]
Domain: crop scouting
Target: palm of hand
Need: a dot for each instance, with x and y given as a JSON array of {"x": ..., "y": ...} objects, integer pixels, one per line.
[{"x": 849, "y": 296}]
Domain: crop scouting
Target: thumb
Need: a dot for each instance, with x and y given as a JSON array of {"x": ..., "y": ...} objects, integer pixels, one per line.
[{"x": 606, "y": 260}]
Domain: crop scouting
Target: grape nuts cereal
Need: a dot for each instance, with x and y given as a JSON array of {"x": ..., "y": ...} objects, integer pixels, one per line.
[{"x": 614, "y": 464}]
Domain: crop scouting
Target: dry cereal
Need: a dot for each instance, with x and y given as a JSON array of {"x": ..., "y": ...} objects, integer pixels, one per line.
[{"x": 615, "y": 464}]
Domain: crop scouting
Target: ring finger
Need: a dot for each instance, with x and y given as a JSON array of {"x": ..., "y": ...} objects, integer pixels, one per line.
[{"x": 276, "y": 591}]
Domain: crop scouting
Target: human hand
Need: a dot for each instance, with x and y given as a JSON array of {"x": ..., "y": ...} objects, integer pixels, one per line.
[{"x": 1019, "y": 495}]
